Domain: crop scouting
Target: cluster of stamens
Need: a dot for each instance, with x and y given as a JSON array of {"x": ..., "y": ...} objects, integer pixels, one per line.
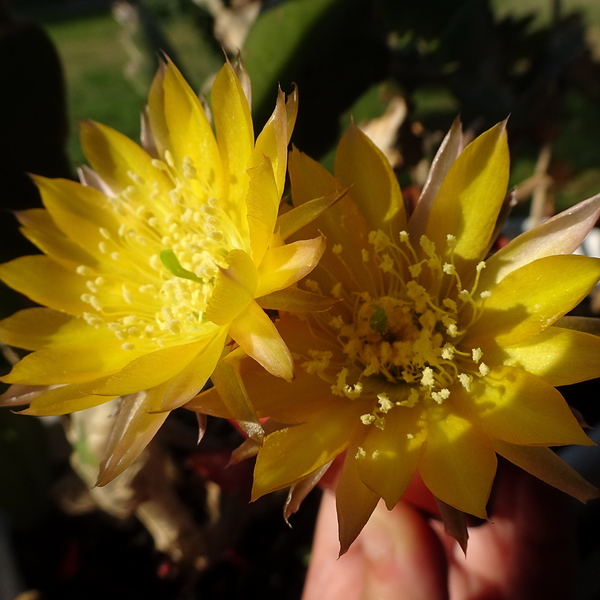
[
  {"x": 403, "y": 344},
  {"x": 156, "y": 271}
]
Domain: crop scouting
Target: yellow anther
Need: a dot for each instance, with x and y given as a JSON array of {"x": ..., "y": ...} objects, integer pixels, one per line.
[
  {"x": 365, "y": 255},
  {"x": 427, "y": 245},
  {"x": 483, "y": 369},
  {"x": 368, "y": 419},
  {"x": 83, "y": 270},
  {"x": 440, "y": 396},
  {"x": 337, "y": 249},
  {"x": 337, "y": 322},
  {"x": 465, "y": 381},
  {"x": 320, "y": 361},
  {"x": 415, "y": 270},
  {"x": 312, "y": 286},
  {"x": 427, "y": 379},
  {"x": 387, "y": 264},
  {"x": 353, "y": 391},
  {"x": 336, "y": 290},
  {"x": 449, "y": 268},
  {"x": 412, "y": 400},
  {"x": 169, "y": 159},
  {"x": 384, "y": 402},
  {"x": 448, "y": 351},
  {"x": 379, "y": 240},
  {"x": 476, "y": 353},
  {"x": 450, "y": 304}
]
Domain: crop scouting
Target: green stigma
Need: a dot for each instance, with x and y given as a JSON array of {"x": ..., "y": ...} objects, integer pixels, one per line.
[
  {"x": 378, "y": 320},
  {"x": 169, "y": 260}
]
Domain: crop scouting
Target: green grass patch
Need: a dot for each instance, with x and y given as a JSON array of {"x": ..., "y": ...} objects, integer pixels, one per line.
[{"x": 96, "y": 53}]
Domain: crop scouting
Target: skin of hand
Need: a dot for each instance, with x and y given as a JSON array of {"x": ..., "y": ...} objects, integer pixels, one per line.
[{"x": 526, "y": 550}]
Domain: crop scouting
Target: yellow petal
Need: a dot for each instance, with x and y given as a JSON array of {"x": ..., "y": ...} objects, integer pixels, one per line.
[
  {"x": 262, "y": 202},
  {"x": 547, "y": 466},
  {"x": 192, "y": 378},
  {"x": 520, "y": 408},
  {"x": 34, "y": 328},
  {"x": 355, "y": 502},
  {"x": 309, "y": 178},
  {"x": 254, "y": 331},
  {"x": 301, "y": 339},
  {"x": 469, "y": 199},
  {"x": 297, "y": 492},
  {"x": 155, "y": 112},
  {"x": 63, "y": 400},
  {"x": 79, "y": 211},
  {"x": 459, "y": 464},
  {"x": 189, "y": 133},
  {"x": 235, "y": 288},
  {"x": 291, "y": 109},
  {"x": 359, "y": 164},
  {"x": 283, "y": 266},
  {"x": 391, "y": 456},
  {"x": 72, "y": 363},
  {"x": 279, "y": 464},
  {"x": 272, "y": 142},
  {"x": 304, "y": 396},
  {"x": 293, "y": 299},
  {"x": 292, "y": 221},
  {"x": 559, "y": 356},
  {"x": 45, "y": 282},
  {"x": 533, "y": 297},
  {"x": 228, "y": 382},
  {"x": 209, "y": 403},
  {"x": 39, "y": 228},
  {"x": 562, "y": 234},
  {"x": 343, "y": 224},
  {"x": 235, "y": 136},
  {"x": 135, "y": 425},
  {"x": 114, "y": 157},
  {"x": 150, "y": 370},
  {"x": 449, "y": 150}
]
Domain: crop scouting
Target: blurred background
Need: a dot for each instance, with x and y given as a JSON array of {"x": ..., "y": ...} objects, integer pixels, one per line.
[{"x": 180, "y": 527}]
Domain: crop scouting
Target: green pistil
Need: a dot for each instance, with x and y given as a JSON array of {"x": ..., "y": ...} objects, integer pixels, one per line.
[{"x": 169, "y": 260}]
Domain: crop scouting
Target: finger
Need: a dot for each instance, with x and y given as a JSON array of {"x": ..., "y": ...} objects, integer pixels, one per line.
[
  {"x": 528, "y": 548},
  {"x": 397, "y": 555}
]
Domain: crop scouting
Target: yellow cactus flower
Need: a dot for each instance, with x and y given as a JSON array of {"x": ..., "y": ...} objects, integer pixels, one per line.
[
  {"x": 436, "y": 358},
  {"x": 162, "y": 255}
]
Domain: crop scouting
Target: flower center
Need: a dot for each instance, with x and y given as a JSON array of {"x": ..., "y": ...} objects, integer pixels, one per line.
[
  {"x": 156, "y": 272},
  {"x": 404, "y": 345}
]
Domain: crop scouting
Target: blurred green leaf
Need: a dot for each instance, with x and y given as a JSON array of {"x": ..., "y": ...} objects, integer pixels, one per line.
[
  {"x": 334, "y": 50},
  {"x": 274, "y": 43}
]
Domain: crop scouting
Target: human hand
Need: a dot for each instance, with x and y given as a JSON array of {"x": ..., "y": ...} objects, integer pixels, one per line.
[{"x": 527, "y": 550}]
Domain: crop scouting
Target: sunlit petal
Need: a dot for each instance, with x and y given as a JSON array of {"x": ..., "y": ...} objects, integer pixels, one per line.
[
  {"x": 374, "y": 187},
  {"x": 469, "y": 199},
  {"x": 520, "y": 408},
  {"x": 258, "y": 337},
  {"x": 458, "y": 464},
  {"x": 559, "y": 356},
  {"x": 390, "y": 455},
  {"x": 355, "y": 502},
  {"x": 533, "y": 297}
]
